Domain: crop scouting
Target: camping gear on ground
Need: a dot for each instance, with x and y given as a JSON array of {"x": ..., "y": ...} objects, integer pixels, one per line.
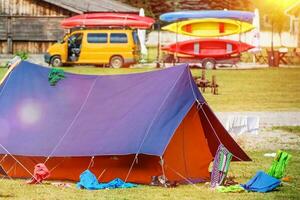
[
  {"x": 55, "y": 75},
  {"x": 230, "y": 181},
  {"x": 121, "y": 122},
  {"x": 208, "y": 48},
  {"x": 162, "y": 181},
  {"x": 40, "y": 173},
  {"x": 61, "y": 184},
  {"x": 231, "y": 189},
  {"x": 209, "y": 27},
  {"x": 286, "y": 179},
  {"x": 273, "y": 155},
  {"x": 199, "y": 14},
  {"x": 239, "y": 124},
  {"x": 108, "y": 20},
  {"x": 279, "y": 164},
  {"x": 220, "y": 166},
  {"x": 89, "y": 181},
  {"x": 261, "y": 182}
]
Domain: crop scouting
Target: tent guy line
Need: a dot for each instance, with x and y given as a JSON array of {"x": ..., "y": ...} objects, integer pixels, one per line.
[
  {"x": 73, "y": 121},
  {"x": 214, "y": 131},
  {"x": 17, "y": 161},
  {"x": 185, "y": 178}
]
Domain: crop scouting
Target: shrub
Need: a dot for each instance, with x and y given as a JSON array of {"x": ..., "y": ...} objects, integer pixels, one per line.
[{"x": 22, "y": 54}]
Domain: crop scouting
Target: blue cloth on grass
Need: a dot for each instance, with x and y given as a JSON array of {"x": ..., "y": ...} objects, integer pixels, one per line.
[
  {"x": 89, "y": 181},
  {"x": 261, "y": 182}
]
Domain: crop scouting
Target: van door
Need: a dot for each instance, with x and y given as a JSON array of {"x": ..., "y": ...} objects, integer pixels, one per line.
[
  {"x": 74, "y": 47},
  {"x": 94, "y": 50}
]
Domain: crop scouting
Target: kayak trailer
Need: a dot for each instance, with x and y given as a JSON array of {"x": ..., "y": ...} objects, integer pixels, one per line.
[{"x": 207, "y": 63}]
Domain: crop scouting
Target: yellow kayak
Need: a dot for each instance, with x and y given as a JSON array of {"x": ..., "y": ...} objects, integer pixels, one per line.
[{"x": 209, "y": 27}]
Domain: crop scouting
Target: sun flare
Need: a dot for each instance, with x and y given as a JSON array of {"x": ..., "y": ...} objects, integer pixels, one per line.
[{"x": 30, "y": 112}]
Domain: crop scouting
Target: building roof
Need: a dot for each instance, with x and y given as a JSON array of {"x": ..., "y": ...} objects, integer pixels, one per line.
[
  {"x": 294, "y": 10},
  {"x": 84, "y": 6}
]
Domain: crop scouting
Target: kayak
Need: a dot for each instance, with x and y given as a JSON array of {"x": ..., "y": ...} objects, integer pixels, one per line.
[
  {"x": 108, "y": 20},
  {"x": 209, "y": 27},
  {"x": 208, "y": 48},
  {"x": 200, "y": 14}
]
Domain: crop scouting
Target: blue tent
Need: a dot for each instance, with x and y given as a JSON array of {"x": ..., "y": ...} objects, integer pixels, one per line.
[{"x": 126, "y": 124}]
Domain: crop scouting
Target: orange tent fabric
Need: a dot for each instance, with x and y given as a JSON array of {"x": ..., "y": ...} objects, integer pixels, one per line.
[{"x": 187, "y": 156}]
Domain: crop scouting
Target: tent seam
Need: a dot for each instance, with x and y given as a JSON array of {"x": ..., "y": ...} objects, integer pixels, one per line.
[
  {"x": 189, "y": 74},
  {"x": 75, "y": 118},
  {"x": 152, "y": 122}
]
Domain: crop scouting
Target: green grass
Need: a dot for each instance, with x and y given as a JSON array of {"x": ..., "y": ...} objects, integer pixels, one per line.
[
  {"x": 270, "y": 89},
  {"x": 290, "y": 129},
  {"x": 105, "y": 71},
  {"x": 243, "y": 171},
  {"x": 2, "y": 72}
]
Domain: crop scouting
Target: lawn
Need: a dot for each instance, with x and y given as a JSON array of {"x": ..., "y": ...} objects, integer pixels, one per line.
[
  {"x": 289, "y": 129},
  {"x": 17, "y": 189},
  {"x": 270, "y": 89}
]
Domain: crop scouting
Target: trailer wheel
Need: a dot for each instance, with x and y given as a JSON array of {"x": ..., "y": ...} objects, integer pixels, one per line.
[{"x": 209, "y": 63}]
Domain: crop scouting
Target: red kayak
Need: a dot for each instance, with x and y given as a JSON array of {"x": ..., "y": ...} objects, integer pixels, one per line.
[
  {"x": 208, "y": 48},
  {"x": 108, "y": 20}
]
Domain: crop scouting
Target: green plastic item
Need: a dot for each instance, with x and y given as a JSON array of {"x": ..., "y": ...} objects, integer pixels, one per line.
[
  {"x": 55, "y": 75},
  {"x": 232, "y": 188},
  {"x": 279, "y": 164}
]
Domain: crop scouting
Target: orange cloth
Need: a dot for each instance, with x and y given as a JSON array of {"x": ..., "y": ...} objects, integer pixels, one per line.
[{"x": 40, "y": 173}]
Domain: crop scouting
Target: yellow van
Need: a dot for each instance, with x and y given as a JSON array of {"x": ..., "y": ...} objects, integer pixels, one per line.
[{"x": 118, "y": 48}]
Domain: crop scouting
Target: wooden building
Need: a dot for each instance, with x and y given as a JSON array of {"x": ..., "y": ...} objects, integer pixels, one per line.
[{"x": 33, "y": 25}]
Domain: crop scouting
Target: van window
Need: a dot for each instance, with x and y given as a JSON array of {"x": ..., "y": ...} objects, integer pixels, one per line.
[
  {"x": 136, "y": 38},
  {"x": 97, "y": 37},
  {"x": 118, "y": 38}
]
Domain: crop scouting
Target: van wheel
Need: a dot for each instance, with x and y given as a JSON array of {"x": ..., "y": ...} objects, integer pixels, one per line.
[
  {"x": 116, "y": 62},
  {"x": 56, "y": 61}
]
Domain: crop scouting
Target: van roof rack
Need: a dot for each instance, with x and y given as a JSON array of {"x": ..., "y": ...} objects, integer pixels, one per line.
[{"x": 101, "y": 28}]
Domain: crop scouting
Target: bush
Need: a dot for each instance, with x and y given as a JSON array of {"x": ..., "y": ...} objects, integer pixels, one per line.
[{"x": 22, "y": 54}]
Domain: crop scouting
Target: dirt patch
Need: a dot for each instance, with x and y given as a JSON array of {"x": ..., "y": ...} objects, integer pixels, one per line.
[{"x": 269, "y": 140}]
